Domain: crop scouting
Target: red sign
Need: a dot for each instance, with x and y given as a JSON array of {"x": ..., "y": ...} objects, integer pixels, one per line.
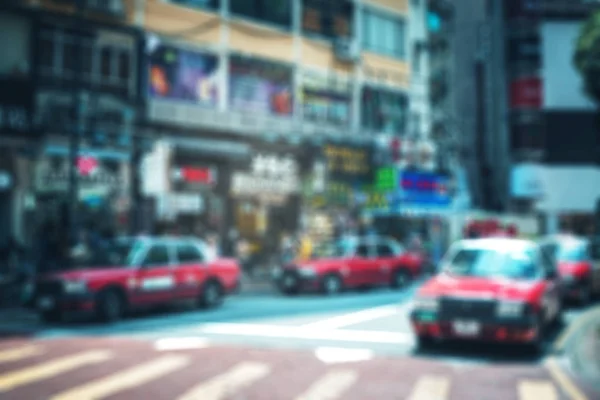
[
  {"x": 86, "y": 165},
  {"x": 196, "y": 175},
  {"x": 526, "y": 93}
]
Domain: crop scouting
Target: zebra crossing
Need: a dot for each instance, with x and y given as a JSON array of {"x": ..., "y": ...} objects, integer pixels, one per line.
[{"x": 126, "y": 369}]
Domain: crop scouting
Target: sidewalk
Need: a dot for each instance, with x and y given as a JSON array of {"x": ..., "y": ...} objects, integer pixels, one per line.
[
  {"x": 18, "y": 321},
  {"x": 583, "y": 352}
]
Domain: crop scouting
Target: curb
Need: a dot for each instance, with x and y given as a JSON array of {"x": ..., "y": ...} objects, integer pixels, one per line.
[{"x": 581, "y": 324}]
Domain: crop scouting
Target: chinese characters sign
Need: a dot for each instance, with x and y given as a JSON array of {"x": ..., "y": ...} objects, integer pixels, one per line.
[
  {"x": 348, "y": 163},
  {"x": 269, "y": 175}
]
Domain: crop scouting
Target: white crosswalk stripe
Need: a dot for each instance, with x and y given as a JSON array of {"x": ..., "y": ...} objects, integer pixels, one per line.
[
  {"x": 228, "y": 383},
  {"x": 50, "y": 369},
  {"x": 330, "y": 387},
  {"x": 127, "y": 379},
  {"x": 536, "y": 390},
  {"x": 431, "y": 387},
  {"x": 20, "y": 353}
]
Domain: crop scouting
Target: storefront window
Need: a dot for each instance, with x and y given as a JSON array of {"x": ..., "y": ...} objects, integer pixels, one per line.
[
  {"x": 260, "y": 87},
  {"x": 384, "y": 111}
]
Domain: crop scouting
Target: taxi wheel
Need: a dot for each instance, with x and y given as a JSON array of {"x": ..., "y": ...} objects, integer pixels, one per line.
[
  {"x": 400, "y": 279},
  {"x": 289, "y": 284},
  {"x": 331, "y": 284},
  {"x": 212, "y": 295},
  {"x": 111, "y": 306}
]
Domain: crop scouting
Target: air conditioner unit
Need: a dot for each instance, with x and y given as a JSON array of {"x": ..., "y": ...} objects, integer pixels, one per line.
[{"x": 347, "y": 50}]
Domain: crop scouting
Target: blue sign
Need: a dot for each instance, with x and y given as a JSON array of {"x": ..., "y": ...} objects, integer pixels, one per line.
[{"x": 424, "y": 188}]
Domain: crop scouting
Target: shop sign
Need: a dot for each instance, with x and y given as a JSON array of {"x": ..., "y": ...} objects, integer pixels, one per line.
[
  {"x": 16, "y": 106},
  {"x": 261, "y": 87},
  {"x": 526, "y": 93},
  {"x": 195, "y": 175},
  {"x": 527, "y": 181},
  {"x": 183, "y": 75},
  {"x": 52, "y": 174},
  {"x": 269, "y": 175},
  {"x": 424, "y": 188},
  {"x": 348, "y": 163},
  {"x": 386, "y": 178}
]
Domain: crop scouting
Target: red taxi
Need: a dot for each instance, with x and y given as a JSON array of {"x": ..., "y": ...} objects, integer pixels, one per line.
[
  {"x": 135, "y": 273},
  {"x": 503, "y": 290},
  {"x": 351, "y": 263},
  {"x": 579, "y": 271}
]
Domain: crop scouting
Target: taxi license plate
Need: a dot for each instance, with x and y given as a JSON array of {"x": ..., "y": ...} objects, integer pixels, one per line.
[
  {"x": 45, "y": 303},
  {"x": 467, "y": 328}
]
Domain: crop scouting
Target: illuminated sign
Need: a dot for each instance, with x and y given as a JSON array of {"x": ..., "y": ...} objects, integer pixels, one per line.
[
  {"x": 201, "y": 175},
  {"x": 386, "y": 178},
  {"x": 424, "y": 188}
]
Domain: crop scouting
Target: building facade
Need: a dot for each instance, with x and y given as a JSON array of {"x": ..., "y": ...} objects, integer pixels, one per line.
[{"x": 513, "y": 60}]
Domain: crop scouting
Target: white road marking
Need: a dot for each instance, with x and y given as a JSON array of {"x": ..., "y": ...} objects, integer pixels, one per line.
[
  {"x": 431, "y": 387},
  {"x": 563, "y": 380},
  {"x": 221, "y": 386},
  {"x": 535, "y": 390},
  {"x": 332, "y": 355},
  {"x": 181, "y": 343},
  {"x": 20, "y": 353},
  {"x": 25, "y": 376},
  {"x": 355, "y": 318},
  {"x": 331, "y": 386},
  {"x": 293, "y": 332},
  {"x": 123, "y": 380}
]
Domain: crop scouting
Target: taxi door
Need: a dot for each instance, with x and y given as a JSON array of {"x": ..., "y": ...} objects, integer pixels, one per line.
[
  {"x": 359, "y": 265},
  {"x": 190, "y": 271},
  {"x": 155, "y": 277}
]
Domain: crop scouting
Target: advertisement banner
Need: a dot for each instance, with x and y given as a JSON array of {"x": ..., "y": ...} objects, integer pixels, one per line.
[
  {"x": 347, "y": 163},
  {"x": 424, "y": 188},
  {"x": 260, "y": 87},
  {"x": 178, "y": 74}
]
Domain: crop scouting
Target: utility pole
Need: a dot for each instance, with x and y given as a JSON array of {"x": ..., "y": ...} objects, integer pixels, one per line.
[{"x": 76, "y": 130}]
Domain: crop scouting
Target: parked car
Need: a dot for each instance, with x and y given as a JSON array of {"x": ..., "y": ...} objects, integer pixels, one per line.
[
  {"x": 577, "y": 267},
  {"x": 499, "y": 290},
  {"x": 351, "y": 263},
  {"x": 135, "y": 273}
]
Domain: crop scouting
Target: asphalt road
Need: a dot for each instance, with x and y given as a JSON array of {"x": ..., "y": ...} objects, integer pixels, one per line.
[
  {"x": 374, "y": 321},
  {"x": 354, "y": 346}
]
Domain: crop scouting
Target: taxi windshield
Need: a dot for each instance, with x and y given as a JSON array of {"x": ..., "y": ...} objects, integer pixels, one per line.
[
  {"x": 571, "y": 252},
  {"x": 487, "y": 263},
  {"x": 116, "y": 253},
  {"x": 340, "y": 248}
]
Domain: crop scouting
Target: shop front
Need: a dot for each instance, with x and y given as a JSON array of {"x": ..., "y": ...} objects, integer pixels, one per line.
[
  {"x": 265, "y": 200},
  {"x": 104, "y": 197},
  {"x": 337, "y": 188},
  {"x": 17, "y": 136}
]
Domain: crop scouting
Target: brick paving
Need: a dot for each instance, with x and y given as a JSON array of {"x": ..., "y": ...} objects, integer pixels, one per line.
[{"x": 236, "y": 373}]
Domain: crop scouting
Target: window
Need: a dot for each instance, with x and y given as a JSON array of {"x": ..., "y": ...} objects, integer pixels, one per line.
[
  {"x": 384, "y": 111},
  {"x": 384, "y": 250},
  {"x": 106, "y": 64},
  {"x": 157, "y": 256},
  {"x": 383, "y": 34},
  {"x": 327, "y": 18},
  {"x": 188, "y": 253},
  {"x": 362, "y": 250},
  {"x": 274, "y": 11},
  {"x": 487, "y": 263},
  {"x": 207, "y": 4}
]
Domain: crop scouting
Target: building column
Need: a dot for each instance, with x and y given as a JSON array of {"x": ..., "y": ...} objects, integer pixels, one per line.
[
  {"x": 224, "y": 57},
  {"x": 355, "y": 122},
  {"x": 552, "y": 223}
]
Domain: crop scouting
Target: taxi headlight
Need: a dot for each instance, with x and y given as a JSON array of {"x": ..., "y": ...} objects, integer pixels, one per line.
[
  {"x": 427, "y": 304},
  {"x": 75, "y": 286},
  {"x": 510, "y": 309}
]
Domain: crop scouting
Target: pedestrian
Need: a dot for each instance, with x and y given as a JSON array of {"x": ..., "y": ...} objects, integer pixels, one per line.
[
  {"x": 287, "y": 249},
  {"x": 212, "y": 247}
]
